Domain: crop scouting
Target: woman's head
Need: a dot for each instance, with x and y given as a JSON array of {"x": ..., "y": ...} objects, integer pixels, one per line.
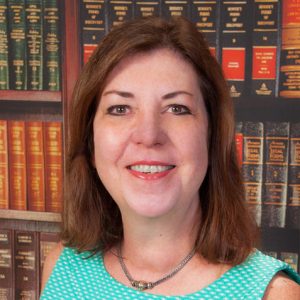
[{"x": 221, "y": 193}]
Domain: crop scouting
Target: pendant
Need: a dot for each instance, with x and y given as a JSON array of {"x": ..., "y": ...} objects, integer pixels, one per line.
[{"x": 141, "y": 285}]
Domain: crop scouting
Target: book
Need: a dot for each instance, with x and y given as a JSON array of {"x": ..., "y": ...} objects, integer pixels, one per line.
[
  {"x": 291, "y": 259},
  {"x": 205, "y": 15},
  {"x": 293, "y": 202},
  {"x": 6, "y": 264},
  {"x": 276, "y": 174},
  {"x": 53, "y": 149},
  {"x": 146, "y": 8},
  {"x": 35, "y": 166},
  {"x": 4, "y": 180},
  {"x": 119, "y": 11},
  {"x": 233, "y": 41},
  {"x": 17, "y": 164},
  {"x": 253, "y": 137},
  {"x": 52, "y": 45},
  {"x": 271, "y": 253},
  {"x": 289, "y": 77},
  {"x": 4, "y": 67},
  {"x": 175, "y": 8},
  {"x": 34, "y": 39},
  {"x": 17, "y": 44},
  {"x": 239, "y": 141},
  {"x": 265, "y": 39},
  {"x": 25, "y": 265},
  {"x": 93, "y": 25}
]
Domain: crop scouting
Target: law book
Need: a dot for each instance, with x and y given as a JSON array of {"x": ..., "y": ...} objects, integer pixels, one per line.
[
  {"x": 146, "y": 8},
  {"x": 52, "y": 45},
  {"x": 175, "y": 8},
  {"x": 26, "y": 269},
  {"x": 293, "y": 202},
  {"x": 289, "y": 76},
  {"x": 233, "y": 43},
  {"x": 239, "y": 141},
  {"x": 4, "y": 64},
  {"x": 4, "y": 179},
  {"x": 17, "y": 44},
  {"x": 93, "y": 25},
  {"x": 290, "y": 258},
  {"x": 253, "y": 146},
  {"x": 265, "y": 39},
  {"x": 276, "y": 174},
  {"x": 206, "y": 16},
  {"x": 119, "y": 11},
  {"x": 34, "y": 39},
  {"x": 53, "y": 148},
  {"x": 6, "y": 264},
  {"x": 17, "y": 164},
  {"x": 35, "y": 166}
]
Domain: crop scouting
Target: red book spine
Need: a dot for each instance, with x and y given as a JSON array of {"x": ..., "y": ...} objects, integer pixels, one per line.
[
  {"x": 4, "y": 192},
  {"x": 17, "y": 164}
]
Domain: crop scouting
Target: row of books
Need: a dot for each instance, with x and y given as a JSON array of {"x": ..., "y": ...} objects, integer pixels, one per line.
[
  {"x": 22, "y": 256},
  {"x": 31, "y": 165},
  {"x": 290, "y": 258},
  {"x": 257, "y": 42},
  {"x": 30, "y": 45},
  {"x": 269, "y": 153}
]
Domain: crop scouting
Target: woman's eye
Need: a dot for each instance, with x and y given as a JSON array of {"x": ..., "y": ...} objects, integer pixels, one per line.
[
  {"x": 118, "y": 110},
  {"x": 177, "y": 109}
]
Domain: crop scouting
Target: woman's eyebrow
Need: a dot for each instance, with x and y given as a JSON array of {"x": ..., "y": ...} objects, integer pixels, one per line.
[
  {"x": 176, "y": 93},
  {"x": 119, "y": 93}
]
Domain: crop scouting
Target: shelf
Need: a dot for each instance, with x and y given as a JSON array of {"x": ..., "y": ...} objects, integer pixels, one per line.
[
  {"x": 43, "y": 96},
  {"x": 30, "y": 215}
]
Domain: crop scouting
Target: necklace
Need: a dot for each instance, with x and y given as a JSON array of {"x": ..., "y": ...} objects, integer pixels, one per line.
[{"x": 142, "y": 285}]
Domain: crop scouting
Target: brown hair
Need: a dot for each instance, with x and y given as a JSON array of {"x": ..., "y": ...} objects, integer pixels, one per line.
[{"x": 91, "y": 219}]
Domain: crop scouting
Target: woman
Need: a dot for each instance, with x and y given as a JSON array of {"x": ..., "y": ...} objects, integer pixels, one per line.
[{"x": 154, "y": 198}]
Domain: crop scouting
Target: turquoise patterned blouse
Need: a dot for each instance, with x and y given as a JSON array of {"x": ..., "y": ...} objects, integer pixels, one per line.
[{"x": 75, "y": 277}]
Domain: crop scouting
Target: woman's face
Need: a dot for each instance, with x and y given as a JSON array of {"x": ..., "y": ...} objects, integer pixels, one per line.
[{"x": 150, "y": 135}]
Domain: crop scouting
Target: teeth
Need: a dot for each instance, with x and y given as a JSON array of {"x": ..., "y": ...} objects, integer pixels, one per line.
[{"x": 150, "y": 169}]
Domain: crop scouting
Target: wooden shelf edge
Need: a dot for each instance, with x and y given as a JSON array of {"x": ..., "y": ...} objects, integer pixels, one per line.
[
  {"x": 43, "y": 96},
  {"x": 30, "y": 215}
]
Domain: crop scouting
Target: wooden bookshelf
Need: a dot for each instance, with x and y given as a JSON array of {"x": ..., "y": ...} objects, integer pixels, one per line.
[{"x": 42, "y": 96}]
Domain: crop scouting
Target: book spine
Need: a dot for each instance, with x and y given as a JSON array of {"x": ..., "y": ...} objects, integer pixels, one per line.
[
  {"x": 4, "y": 69},
  {"x": 4, "y": 180},
  {"x": 291, "y": 259},
  {"x": 239, "y": 141},
  {"x": 253, "y": 166},
  {"x": 119, "y": 11},
  {"x": 34, "y": 44},
  {"x": 293, "y": 204},
  {"x": 6, "y": 265},
  {"x": 53, "y": 166},
  {"x": 93, "y": 25},
  {"x": 205, "y": 15},
  {"x": 289, "y": 76},
  {"x": 26, "y": 271},
  {"x": 276, "y": 174},
  {"x": 52, "y": 45},
  {"x": 146, "y": 8},
  {"x": 264, "y": 49},
  {"x": 16, "y": 22},
  {"x": 35, "y": 166},
  {"x": 234, "y": 44},
  {"x": 175, "y": 8},
  {"x": 17, "y": 164}
]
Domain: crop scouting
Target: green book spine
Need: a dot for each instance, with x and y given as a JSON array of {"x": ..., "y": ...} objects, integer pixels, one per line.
[
  {"x": 34, "y": 44},
  {"x": 52, "y": 45},
  {"x": 4, "y": 73},
  {"x": 17, "y": 47}
]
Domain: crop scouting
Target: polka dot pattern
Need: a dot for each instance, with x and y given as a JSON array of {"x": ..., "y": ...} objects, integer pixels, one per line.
[{"x": 79, "y": 276}]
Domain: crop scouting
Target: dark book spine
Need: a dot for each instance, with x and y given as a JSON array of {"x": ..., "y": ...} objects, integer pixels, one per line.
[
  {"x": 4, "y": 180},
  {"x": 6, "y": 265},
  {"x": 175, "y": 8},
  {"x": 4, "y": 69},
  {"x": 93, "y": 25},
  {"x": 239, "y": 141},
  {"x": 17, "y": 44},
  {"x": 146, "y": 8},
  {"x": 52, "y": 45},
  {"x": 253, "y": 166},
  {"x": 34, "y": 40},
  {"x": 264, "y": 48},
  {"x": 293, "y": 204},
  {"x": 206, "y": 16},
  {"x": 234, "y": 25},
  {"x": 276, "y": 174},
  {"x": 289, "y": 76},
  {"x": 119, "y": 11},
  {"x": 26, "y": 268}
]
